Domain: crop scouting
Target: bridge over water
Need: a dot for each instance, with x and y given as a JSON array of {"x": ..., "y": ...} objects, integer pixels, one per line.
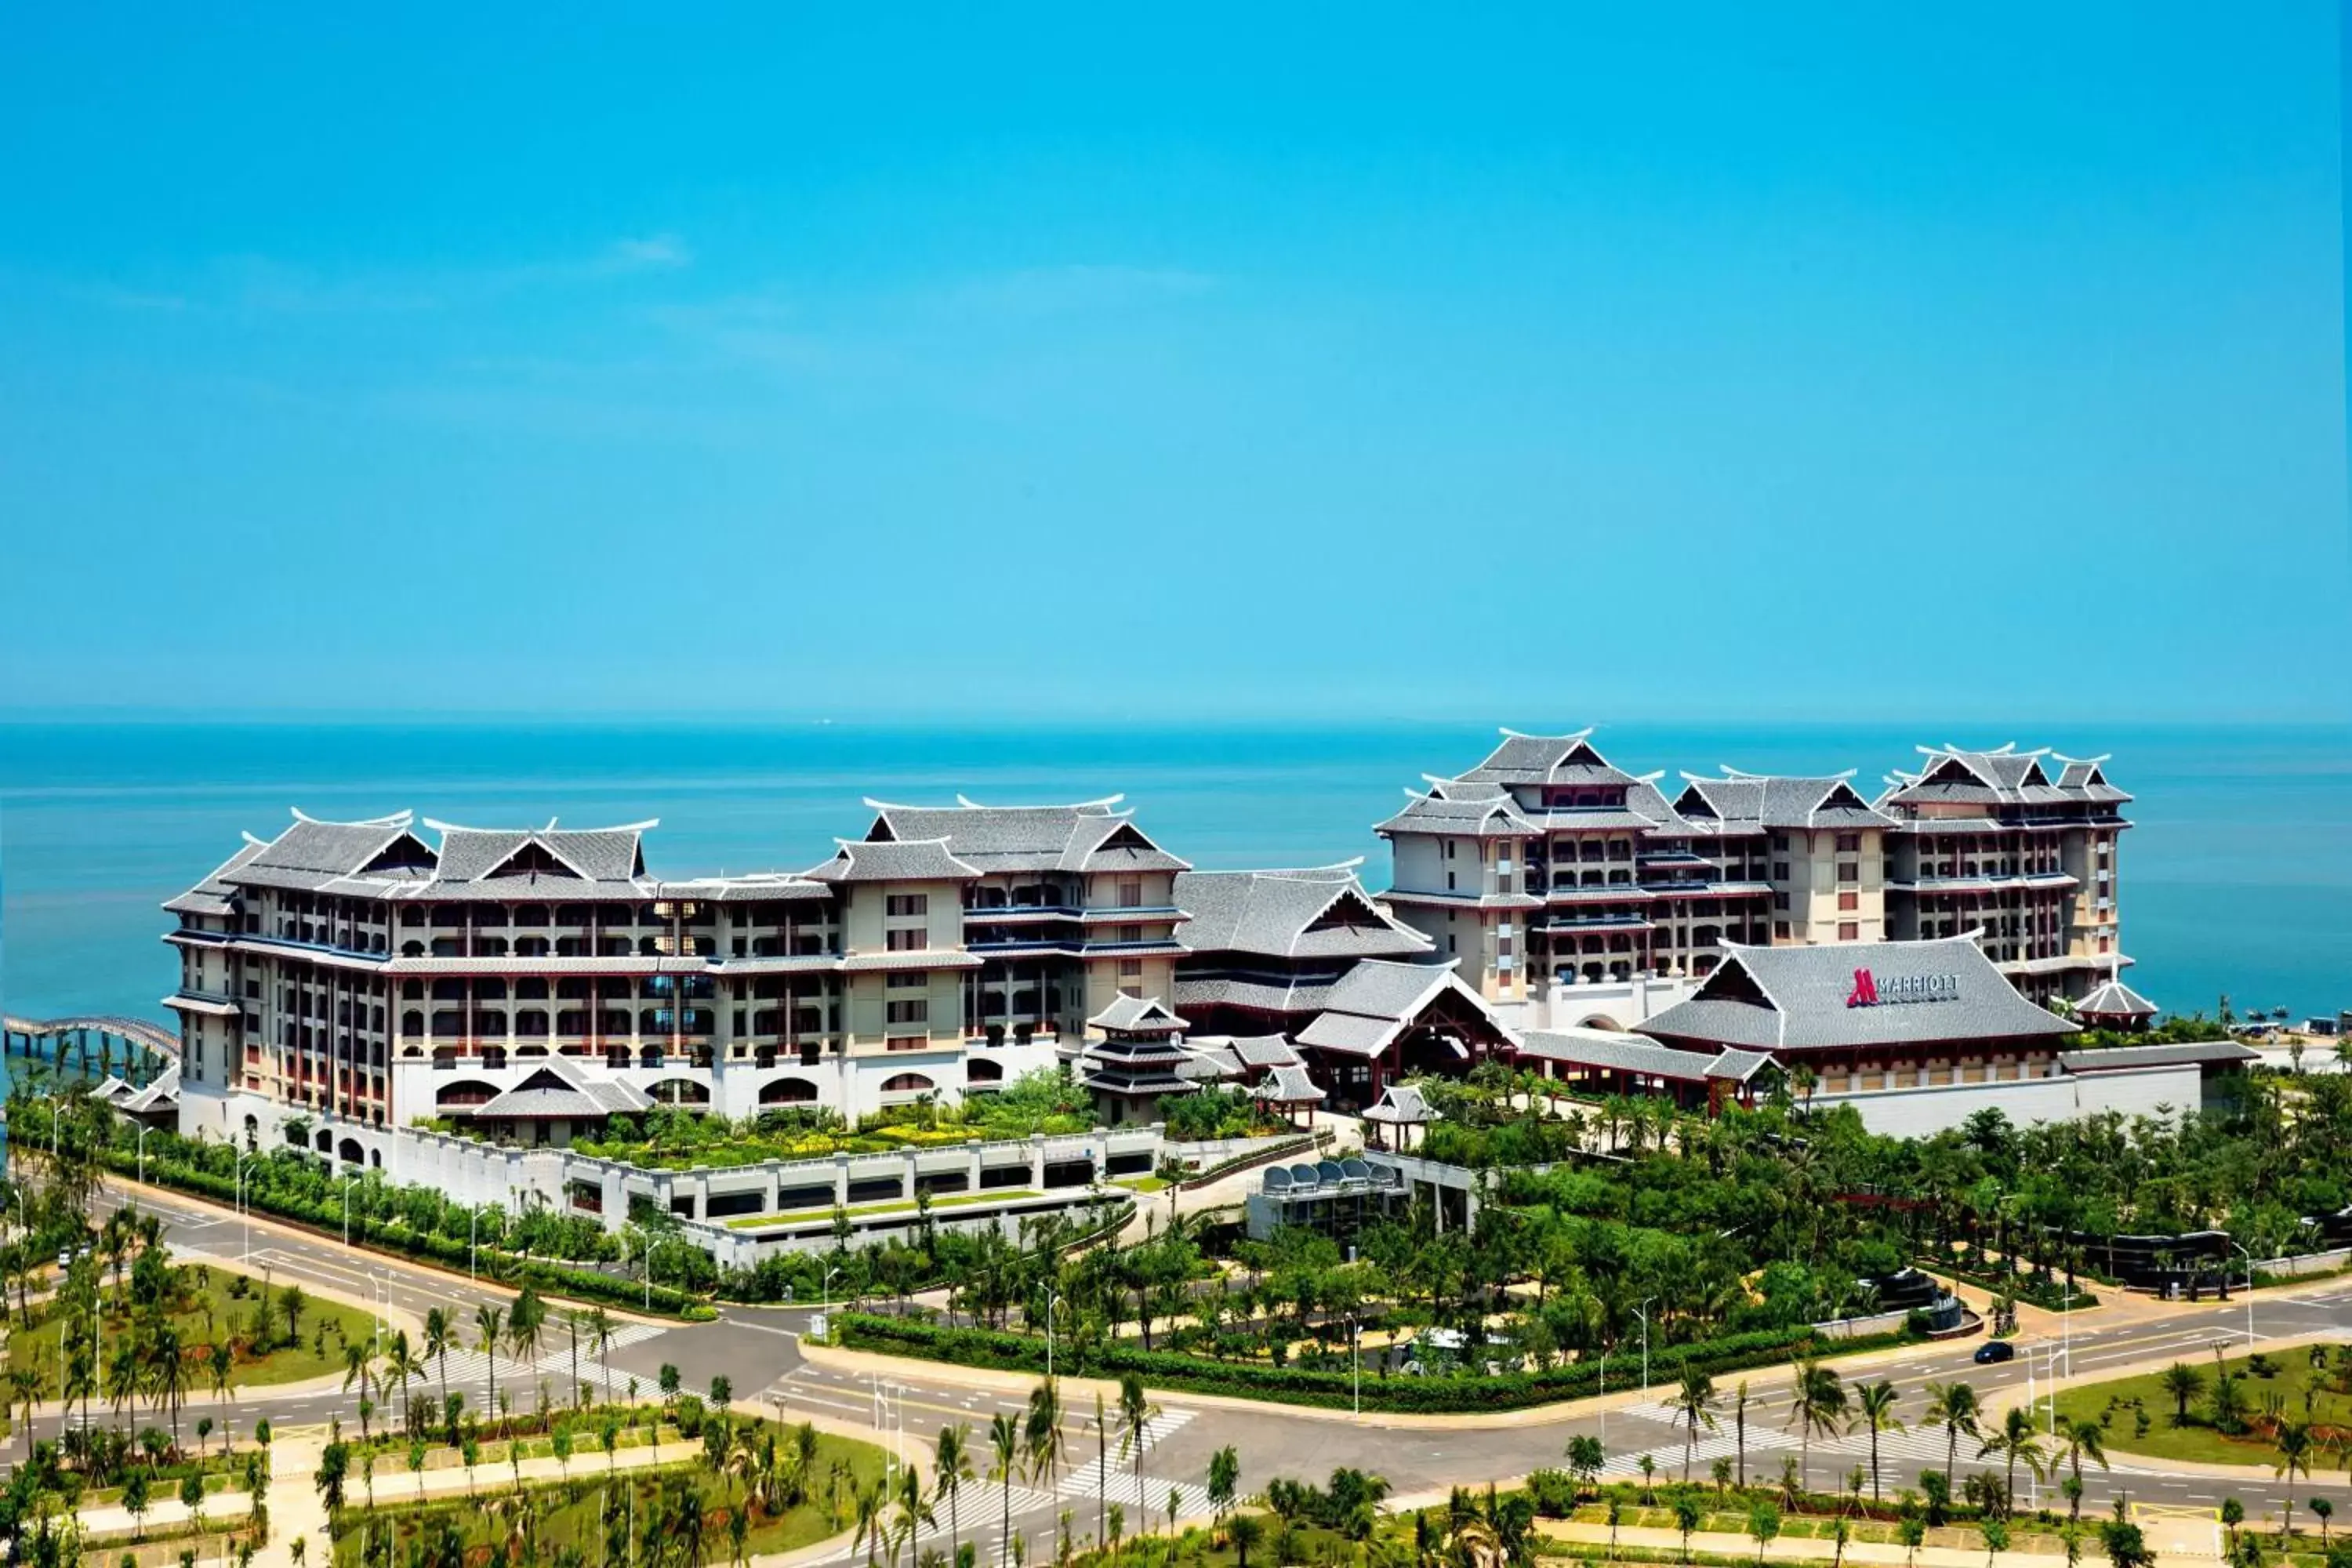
[{"x": 96, "y": 1046}]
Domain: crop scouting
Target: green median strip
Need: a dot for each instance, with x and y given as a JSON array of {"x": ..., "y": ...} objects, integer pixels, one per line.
[{"x": 864, "y": 1211}]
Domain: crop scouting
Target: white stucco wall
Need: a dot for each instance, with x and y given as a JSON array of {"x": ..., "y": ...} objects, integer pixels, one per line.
[{"x": 1919, "y": 1112}]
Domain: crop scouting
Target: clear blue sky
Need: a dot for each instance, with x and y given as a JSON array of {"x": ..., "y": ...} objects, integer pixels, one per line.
[{"x": 1346, "y": 361}]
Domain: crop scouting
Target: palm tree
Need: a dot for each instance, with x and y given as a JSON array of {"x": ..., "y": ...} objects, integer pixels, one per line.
[
  {"x": 2080, "y": 1438},
  {"x": 439, "y": 1334},
  {"x": 1696, "y": 1400},
  {"x": 1954, "y": 1406},
  {"x": 491, "y": 1323},
  {"x": 1873, "y": 1405},
  {"x": 1041, "y": 1433},
  {"x": 1136, "y": 1412},
  {"x": 913, "y": 1511},
  {"x": 2292, "y": 1441},
  {"x": 1004, "y": 1449},
  {"x": 2015, "y": 1441},
  {"x": 1739, "y": 1417},
  {"x": 2184, "y": 1383},
  {"x": 171, "y": 1375},
  {"x": 356, "y": 1369},
  {"x": 1244, "y": 1532},
  {"x": 871, "y": 1499},
  {"x": 952, "y": 1464},
  {"x": 1817, "y": 1404},
  {"x": 525, "y": 1320},
  {"x": 1225, "y": 1480},
  {"x": 600, "y": 1334}
]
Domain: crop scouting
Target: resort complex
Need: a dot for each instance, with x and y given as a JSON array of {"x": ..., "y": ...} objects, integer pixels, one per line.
[{"x": 346, "y": 983}]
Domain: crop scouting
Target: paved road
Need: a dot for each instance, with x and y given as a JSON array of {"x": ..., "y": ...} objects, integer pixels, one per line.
[{"x": 759, "y": 1351}]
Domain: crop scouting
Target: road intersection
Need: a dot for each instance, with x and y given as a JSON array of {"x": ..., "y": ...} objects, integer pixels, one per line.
[{"x": 904, "y": 1404}]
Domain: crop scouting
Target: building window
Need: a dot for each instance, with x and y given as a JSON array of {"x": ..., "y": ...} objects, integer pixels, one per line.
[
  {"x": 902, "y": 905},
  {"x": 905, "y": 1042},
  {"x": 1779, "y": 901},
  {"x": 1131, "y": 893},
  {"x": 1849, "y": 872},
  {"x": 1780, "y": 843},
  {"x": 1130, "y": 933},
  {"x": 1848, "y": 843},
  {"x": 1849, "y": 900},
  {"x": 1848, "y": 931},
  {"x": 907, "y": 979},
  {"x": 904, "y": 940},
  {"x": 1780, "y": 929},
  {"x": 1130, "y": 969},
  {"x": 912, "y": 1010}
]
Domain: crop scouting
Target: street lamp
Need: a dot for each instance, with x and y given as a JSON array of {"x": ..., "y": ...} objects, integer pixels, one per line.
[
  {"x": 824, "y": 1309},
  {"x": 1356, "y": 1349},
  {"x": 1049, "y": 1333},
  {"x": 142, "y": 1154},
  {"x": 347, "y": 1209},
  {"x": 473, "y": 1222},
  {"x": 1642, "y": 1312},
  {"x": 2249, "y": 1290},
  {"x": 244, "y": 1206}
]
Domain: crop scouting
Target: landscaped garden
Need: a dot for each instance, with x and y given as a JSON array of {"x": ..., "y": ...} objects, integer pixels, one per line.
[
  {"x": 2240, "y": 1409},
  {"x": 755, "y": 1488},
  {"x": 223, "y": 1329}
]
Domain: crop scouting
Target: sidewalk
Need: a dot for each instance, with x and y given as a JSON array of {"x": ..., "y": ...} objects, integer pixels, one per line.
[{"x": 1785, "y": 1550}]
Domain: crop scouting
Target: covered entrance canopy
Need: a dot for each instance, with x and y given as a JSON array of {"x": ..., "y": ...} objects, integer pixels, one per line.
[{"x": 1384, "y": 1019}]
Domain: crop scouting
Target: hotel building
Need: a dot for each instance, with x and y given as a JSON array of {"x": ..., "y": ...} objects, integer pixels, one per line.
[
  {"x": 1575, "y": 893},
  {"x": 365, "y": 974}
]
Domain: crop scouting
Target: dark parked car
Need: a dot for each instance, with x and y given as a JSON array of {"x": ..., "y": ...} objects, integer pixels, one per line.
[{"x": 1993, "y": 1351}]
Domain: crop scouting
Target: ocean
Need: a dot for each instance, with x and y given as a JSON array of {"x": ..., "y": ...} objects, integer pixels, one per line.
[{"x": 2237, "y": 878}]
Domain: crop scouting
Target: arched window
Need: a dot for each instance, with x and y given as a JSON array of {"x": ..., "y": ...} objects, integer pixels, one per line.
[
  {"x": 980, "y": 1069},
  {"x": 788, "y": 1091},
  {"x": 472, "y": 1091},
  {"x": 906, "y": 1083},
  {"x": 681, "y": 1091}
]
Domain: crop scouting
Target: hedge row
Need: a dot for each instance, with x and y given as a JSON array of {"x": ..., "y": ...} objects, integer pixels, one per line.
[
  {"x": 1009, "y": 1352},
  {"x": 506, "y": 1267},
  {"x": 2026, "y": 1287}
]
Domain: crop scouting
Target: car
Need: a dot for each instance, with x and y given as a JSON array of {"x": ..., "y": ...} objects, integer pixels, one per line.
[{"x": 1993, "y": 1351}]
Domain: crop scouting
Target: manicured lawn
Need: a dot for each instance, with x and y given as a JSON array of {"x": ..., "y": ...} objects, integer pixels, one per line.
[
  {"x": 2119, "y": 1401},
  {"x": 1140, "y": 1183},
  {"x": 861, "y": 1211},
  {"x": 203, "y": 1313},
  {"x": 568, "y": 1514}
]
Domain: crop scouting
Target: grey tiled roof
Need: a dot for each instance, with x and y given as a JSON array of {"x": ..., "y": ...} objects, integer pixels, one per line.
[
  {"x": 1547, "y": 760},
  {"x": 1287, "y": 1086},
  {"x": 1376, "y": 1000},
  {"x": 910, "y": 860},
  {"x": 558, "y": 1088},
  {"x": 1131, "y": 1013},
  {"x": 1479, "y": 815},
  {"x": 1759, "y": 802},
  {"x": 211, "y": 896},
  {"x": 1086, "y": 836},
  {"x": 1263, "y": 1051},
  {"x": 1400, "y": 1105},
  {"x": 1269, "y": 912},
  {"x": 2115, "y": 999},
  {"x": 1613, "y": 1052},
  {"x": 1805, "y": 991},
  {"x": 1194, "y": 992}
]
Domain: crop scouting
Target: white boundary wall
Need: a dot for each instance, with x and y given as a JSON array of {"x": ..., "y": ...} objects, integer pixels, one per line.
[{"x": 1920, "y": 1112}]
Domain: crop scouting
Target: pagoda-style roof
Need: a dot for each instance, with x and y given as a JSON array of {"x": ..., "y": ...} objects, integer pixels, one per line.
[
  {"x": 2113, "y": 999},
  {"x": 1090, "y": 836},
  {"x": 1129, "y": 1014}
]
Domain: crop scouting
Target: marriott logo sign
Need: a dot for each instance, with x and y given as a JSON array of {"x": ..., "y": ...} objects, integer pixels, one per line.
[{"x": 1871, "y": 992}]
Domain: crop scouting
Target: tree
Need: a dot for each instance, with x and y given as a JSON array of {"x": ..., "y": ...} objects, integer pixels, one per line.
[
  {"x": 2184, "y": 1383},
  {"x": 1586, "y": 1459},
  {"x": 1245, "y": 1532},
  {"x": 291, "y": 1304},
  {"x": 1873, "y": 1405},
  {"x": 1996, "y": 1536},
  {"x": 1041, "y": 1433},
  {"x": 2293, "y": 1440},
  {"x": 440, "y": 1334},
  {"x": 2125, "y": 1546},
  {"x": 2324, "y": 1511},
  {"x": 1136, "y": 1414},
  {"x": 2080, "y": 1439},
  {"x": 135, "y": 1502},
  {"x": 722, "y": 1391},
  {"x": 1911, "y": 1531},
  {"x": 1004, "y": 1451},
  {"x": 1763, "y": 1526},
  {"x": 1687, "y": 1515},
  {"x": 1225, "y": 1480},
  {"x": 417, "y": 1465},
  {"x": 490, "y": 1324},
  {"x": 1696, "y": 1400},
  {"x": 2015, "y": 1442},
  {"x": 1817, "y": 1404},
  {"x": 333, "y": 1472},
  {"x": 951, "y": 1469},
  {"x": 1739, "y": 1418},
  {"x": 192, "y": 1497},
  {"x": 1954, "y": 1406}
]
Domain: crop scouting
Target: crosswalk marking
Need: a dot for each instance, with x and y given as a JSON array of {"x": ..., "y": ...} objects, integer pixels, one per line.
[{"x": 471, "y": 1367}]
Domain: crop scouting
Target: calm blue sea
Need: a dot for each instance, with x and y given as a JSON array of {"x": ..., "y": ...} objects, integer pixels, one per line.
[{"x": 2237, "y": 879}]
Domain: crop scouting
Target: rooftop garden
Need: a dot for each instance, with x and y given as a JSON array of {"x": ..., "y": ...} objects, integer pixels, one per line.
[{"x": 673, "y": 1137}]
